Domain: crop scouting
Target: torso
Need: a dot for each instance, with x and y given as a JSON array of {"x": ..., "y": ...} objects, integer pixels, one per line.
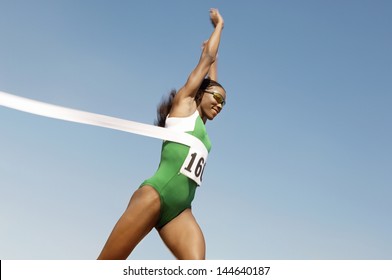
[{"x": 176, "y": 190}]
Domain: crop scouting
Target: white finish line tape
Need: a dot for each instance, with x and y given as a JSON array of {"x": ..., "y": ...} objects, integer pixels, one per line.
[{"x": 72, "y": 115}]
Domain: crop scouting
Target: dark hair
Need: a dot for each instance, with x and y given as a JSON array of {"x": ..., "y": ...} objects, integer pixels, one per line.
[{"x": 165, "y": 105}]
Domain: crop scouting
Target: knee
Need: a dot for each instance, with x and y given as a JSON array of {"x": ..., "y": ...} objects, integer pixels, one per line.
[
  {"x": 199, "y": 255},
  {"x": 191, "y": 252},
  {"x": 197, "y": 249}
]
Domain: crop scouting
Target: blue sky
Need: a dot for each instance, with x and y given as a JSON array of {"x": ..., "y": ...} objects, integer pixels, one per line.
[{"x": 301, "y": 161}]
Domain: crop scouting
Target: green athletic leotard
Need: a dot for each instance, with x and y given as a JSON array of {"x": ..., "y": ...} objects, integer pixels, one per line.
[{"x": 176, "y": 191}]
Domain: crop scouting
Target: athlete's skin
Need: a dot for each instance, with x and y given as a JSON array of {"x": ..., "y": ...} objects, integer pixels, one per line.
[{"x": 182, "y": 235}]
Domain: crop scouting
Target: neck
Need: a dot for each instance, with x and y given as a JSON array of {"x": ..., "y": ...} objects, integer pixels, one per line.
[{"x": 202, "y": 116}]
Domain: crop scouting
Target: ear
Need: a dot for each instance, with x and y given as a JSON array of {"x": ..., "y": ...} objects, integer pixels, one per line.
[{"x": 199, "y": 97}]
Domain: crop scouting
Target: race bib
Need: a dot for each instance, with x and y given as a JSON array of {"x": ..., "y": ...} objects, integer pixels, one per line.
[{"x": 194, "y": 164}]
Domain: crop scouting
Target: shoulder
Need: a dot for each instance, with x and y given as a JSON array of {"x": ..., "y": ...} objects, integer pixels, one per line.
[{"x": 182, "y": 124}]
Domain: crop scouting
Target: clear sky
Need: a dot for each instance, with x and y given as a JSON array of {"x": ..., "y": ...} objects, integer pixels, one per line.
[{"x": 301, "y": 161}]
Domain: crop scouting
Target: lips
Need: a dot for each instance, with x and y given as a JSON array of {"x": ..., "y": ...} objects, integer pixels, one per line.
[{"x": 215, "y": 110}]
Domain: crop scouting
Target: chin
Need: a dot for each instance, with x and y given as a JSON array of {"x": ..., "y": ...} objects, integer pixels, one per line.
[{"x": 211, "y": 117}]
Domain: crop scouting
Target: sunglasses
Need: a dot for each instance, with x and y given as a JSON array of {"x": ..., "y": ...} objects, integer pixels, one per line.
[{"x": 217, "y": 96}]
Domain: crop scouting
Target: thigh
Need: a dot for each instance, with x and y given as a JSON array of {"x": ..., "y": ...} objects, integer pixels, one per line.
[
  {"x": 183, "y": 237},
  {"x": 138, "y": 219}
]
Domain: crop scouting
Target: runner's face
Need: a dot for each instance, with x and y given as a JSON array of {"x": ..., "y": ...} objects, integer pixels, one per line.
[{"x": 213, "y": 101}]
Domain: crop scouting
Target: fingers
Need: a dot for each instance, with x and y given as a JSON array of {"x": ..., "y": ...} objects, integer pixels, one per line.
[
  {"x": 215, "y": 17},
  {"x": 214, "y": 14},
  {"x": 213, "y": 11}
]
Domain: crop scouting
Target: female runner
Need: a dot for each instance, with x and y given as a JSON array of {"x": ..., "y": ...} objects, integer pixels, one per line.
[{"x": 164, "y": 200}]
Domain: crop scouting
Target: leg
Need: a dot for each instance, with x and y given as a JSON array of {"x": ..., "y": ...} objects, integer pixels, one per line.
[
  {"x": 184, "y": 237},
  {"x": 137, "y": 221}
]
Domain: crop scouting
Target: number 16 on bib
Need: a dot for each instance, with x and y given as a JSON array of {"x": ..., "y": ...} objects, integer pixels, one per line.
[{"x": 194, "y": 164}]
